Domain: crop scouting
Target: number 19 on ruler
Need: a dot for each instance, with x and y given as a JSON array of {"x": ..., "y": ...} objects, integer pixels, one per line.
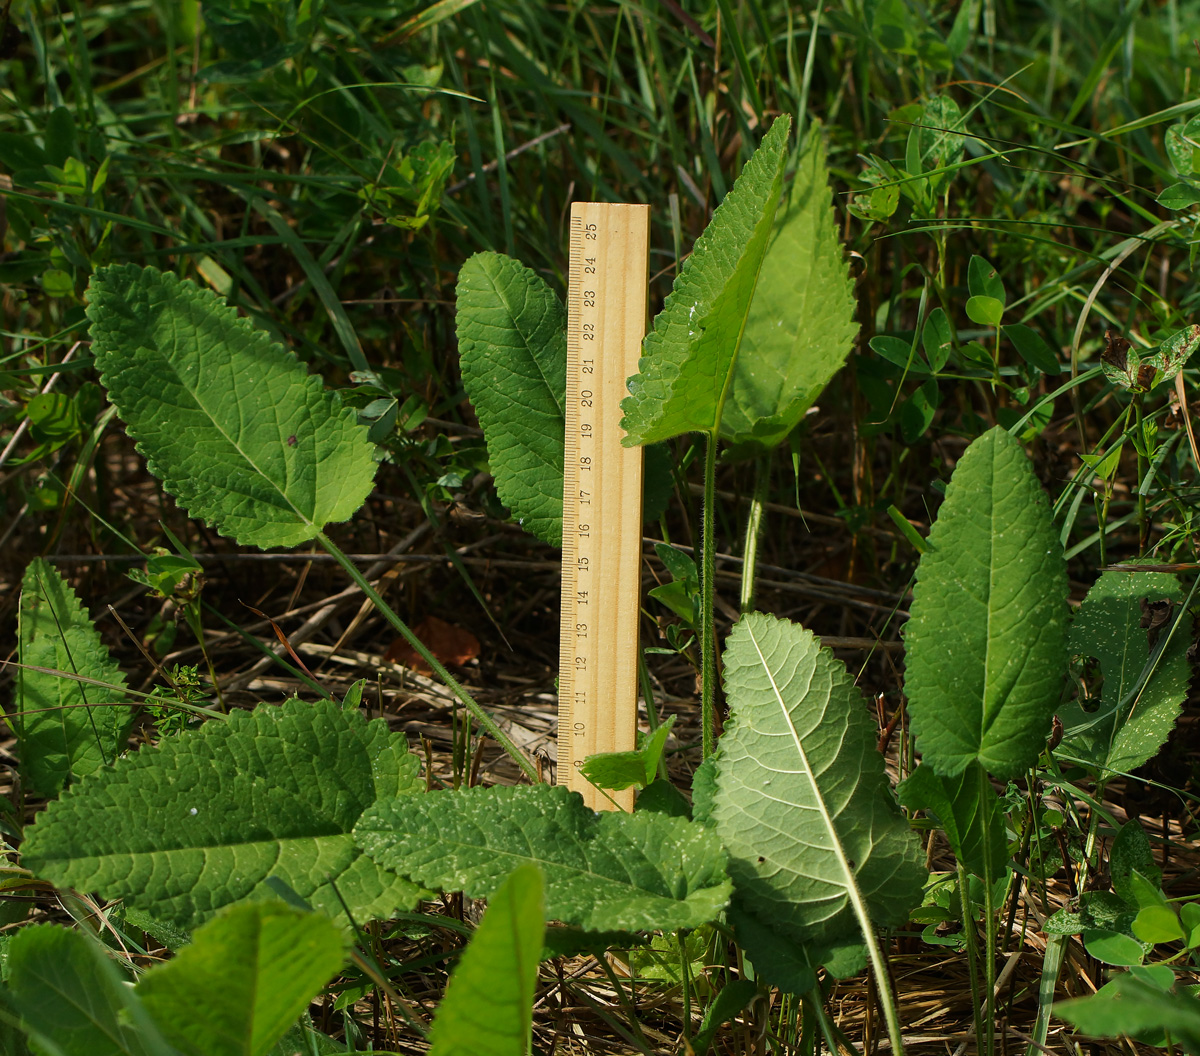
[{"x": 602, "y": 493}]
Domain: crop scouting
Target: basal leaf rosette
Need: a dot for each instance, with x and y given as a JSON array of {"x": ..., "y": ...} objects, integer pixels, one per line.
[
  {"x": 232, "y": 423},
  {"x": 986, "y": 642},
  {"x": 608, "y": 871},
  {"x": 203, "y": 819},
  {"x": 819, "y": 852}
]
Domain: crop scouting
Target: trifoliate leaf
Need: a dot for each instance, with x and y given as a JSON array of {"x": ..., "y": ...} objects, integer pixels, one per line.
[
  {"x": 65, "y": 728},
  {"x": 206, "y": 817},
  {"x": 801, "y": 324},
  {"x": 488, "y": 1007},
  {"x": 819, "y": 852},
  {"x": 512, "y": 339},
  {"x": 986, "y": 643},
  {"x": 1128, "y": 725},
  {"x": 634, "y": 872},
  {"x": 690, "y": 356},
  {"x": 244, "y": 980},
  {"x": 231, "y": 423}
]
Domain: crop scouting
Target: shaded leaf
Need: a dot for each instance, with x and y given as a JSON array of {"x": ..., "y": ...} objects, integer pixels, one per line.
[
  {"x": 206, "y": 817},
  {"x": 488, "y": 1007},
  {"x": 986, "y": 642},
  {"x": 801, "y": 325},
  {"x": 818, "y": 849},
  {"x": 244, "y": 980},
  {"x": 232, "y": 424},
  {"x": 65, "y": 728},
  {"x": 512, "y": 340},
  {"x": 616, "y": 771},
  {"x": 970, "y": 813},
  {"x": 1127, "y": 726},
  {"x": 1133, "y": 1005},
  {"x": 690, "y": 355},
  {"x": 633, "y": 872}
]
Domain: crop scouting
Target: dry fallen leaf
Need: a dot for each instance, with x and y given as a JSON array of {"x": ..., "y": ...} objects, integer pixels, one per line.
[{"x": 450, "y": 644}]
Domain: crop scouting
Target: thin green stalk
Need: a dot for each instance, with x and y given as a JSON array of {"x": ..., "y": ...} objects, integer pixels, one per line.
[
  {"x": 968, "y": 923},
  {"x": 989, "y": 968},
  {"x": 708, "y": 575},
  {"x": 451, "y": 683},
  {"x": 758, "y": 502}
]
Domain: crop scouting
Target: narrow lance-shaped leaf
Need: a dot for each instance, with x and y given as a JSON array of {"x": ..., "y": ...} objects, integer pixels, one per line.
[
  {"x": 819, "y": 851},
  {"x": 246, "y": 977},
  {"x": 233, "y": 425},
  {"x": 986, "y": 644},
  {"x": 512, "y": 339},
  {"x": 209, "y": 815},
  {"x": 488, "y": 1007},
  {"x": 801, "y": 325},
  {"x": 65, "y": 728},
  {"x": 636, "y": 872},
  {"x": 1124, "y": 729},
  {"x": 689, "y": 357}
]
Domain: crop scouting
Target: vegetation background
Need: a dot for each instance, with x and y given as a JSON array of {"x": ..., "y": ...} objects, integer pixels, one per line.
[{"x": 328, "y": 165}]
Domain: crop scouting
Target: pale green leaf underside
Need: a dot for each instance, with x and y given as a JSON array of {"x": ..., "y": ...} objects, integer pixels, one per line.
[
  {"x": 986, "y": 644},
  {"x": 246, "y": 977},
  {"x": 512, "y": 339},
  {"x": 65, "y": 728},
  {"x": 488, "y": 1007},
  {"x": 690, "y": 355},
  {"x": 1121, "y": 735},
  {"x": 801, "y": 325},
  {"x": 633, "y": 872},
  {"x": 234, "y": 426},
  {"x": 802, "y": 800},
  {"x": 206, "y": 817}
]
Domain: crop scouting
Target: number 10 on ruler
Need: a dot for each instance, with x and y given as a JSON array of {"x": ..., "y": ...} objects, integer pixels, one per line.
[{"x": 602, "y": 493}]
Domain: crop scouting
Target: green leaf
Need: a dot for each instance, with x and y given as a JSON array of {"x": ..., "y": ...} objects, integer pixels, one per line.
[
  {"x": 731, "y": 1002},
  {"x": 206, "y": 817},
  {"x": 801, "y": 325},
  {"x": 970, "y": 812},
  {"x": 65, "y": 728},
  {"x": 615, "y": 771},
  {"x": 937, "y": 339},
  {"x": 984, "y": 281},
  {"x": 819, "y": 851},
  {"x": 512, "y": 338},
  {"x": 244, "y": 980},
  {"x": 986, "y": 642},
  {"x": 231, "y": 423},
  {"x": 986, "y": 311},
  {"x": 1179, "y": 196},
  {"x": 1157, "y": 924},
  {"x": 1182, "y": 143},
  {"x": 1113, "y": 947},
  {"x": 1127, "y": 726},
  {"x": 690, "y": 356},
  {"x": 72, "y": 996},
  {"x": 488, "y": 1007},
  {"x": 940, "y": 140},
  {"x": 1130, "y": 856},
  {"x": 1032, "y": 348},
  {"x": 633, "y": 872},
  {"x": 1136, "y": 1005}
]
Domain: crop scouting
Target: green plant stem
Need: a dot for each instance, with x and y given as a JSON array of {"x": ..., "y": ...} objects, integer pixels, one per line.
[
  {"x": 989, "y": 969},
  {"x": 708, "y": 575},
  {"x": 451, "y": 683},
  {"x": 1142, "y": 460},
  {"x": 758, "y": 502},
  {"x": 968, "y": 923}
]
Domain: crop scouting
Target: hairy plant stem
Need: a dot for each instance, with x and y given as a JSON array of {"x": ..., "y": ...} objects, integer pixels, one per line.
[
  {"x": 450, "y": 682},
  {"x": 758, "y": 502},
  {"x": 708, "y": 575}
]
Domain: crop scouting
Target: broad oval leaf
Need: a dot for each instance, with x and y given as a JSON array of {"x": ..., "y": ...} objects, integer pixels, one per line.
[
  {"x": 488, "y": 1007},
  {"x": 65, "y": 728},
  {"x": 244, "y": 979},
  {"x": 634, "y": 872},
  {"x": 818, "y": 849},
  {"x": 206, "y": 817},
  {"x": 986, "y": 643},
  {"x": 801, "y": 325},
  {"x": 231, "y": 423},
  {"x": 690, "y": 355},
  {"x": 1131, "y": 721},
  {"x": 512, "y": 339}
]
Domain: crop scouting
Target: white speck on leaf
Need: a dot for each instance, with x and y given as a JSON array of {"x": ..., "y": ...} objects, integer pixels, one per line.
[{"x": 193, "y": 811}]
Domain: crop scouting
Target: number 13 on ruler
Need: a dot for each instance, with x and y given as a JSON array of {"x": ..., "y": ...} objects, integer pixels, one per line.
[{"x": 602, "y": 493}]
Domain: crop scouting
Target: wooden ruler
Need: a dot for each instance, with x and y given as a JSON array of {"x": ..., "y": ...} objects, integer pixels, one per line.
[{"x": 602, "y": 493}]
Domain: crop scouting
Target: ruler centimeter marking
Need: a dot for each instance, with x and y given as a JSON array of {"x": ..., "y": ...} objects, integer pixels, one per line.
[{"x": 602, "y": 493}]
